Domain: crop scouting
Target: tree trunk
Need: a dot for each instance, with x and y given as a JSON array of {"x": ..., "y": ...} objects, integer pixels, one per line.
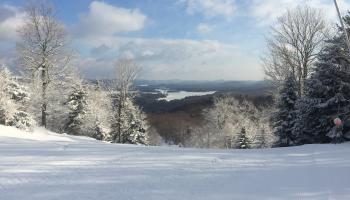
[
  {"x": 119, "y": 123},
  {"x": 44, "y": 99},
  {"x": 305, "y": 68},
  {"x": 208, "y": 140},
  {"x": 300, "y": 82}
]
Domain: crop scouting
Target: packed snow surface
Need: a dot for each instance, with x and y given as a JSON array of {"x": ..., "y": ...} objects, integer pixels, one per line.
[{"x": 44, "y": 166}]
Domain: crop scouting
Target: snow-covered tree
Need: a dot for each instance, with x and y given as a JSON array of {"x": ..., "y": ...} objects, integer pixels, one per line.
[
  {"x": 242, "y": 141},
  {"x": 126, "y": 72},
  {"x": 327, "y": 95},
  {"x": 13, "y": 102},
  {"x": 261, "y": 139},
  {"x": 97, "y": 120},
  {"x": 292, "y": 47},
  {"x": 129, "y": 123},
  {"x": 7, "y": 107},
  {"x": 138, "y": 133},
  {"x": 227, "y": 116},
  {"x": 77, "y": 103},
  {"x": 284, "y": 118},
  {"x": 42, "y": 52},
  {"x": 220, "y": 119},
  {"x": 57, "y": 94}
]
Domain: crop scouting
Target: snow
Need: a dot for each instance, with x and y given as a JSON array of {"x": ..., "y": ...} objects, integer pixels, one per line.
[
  {"x": 44, "y": 165},
  {"x": 182, "y": 94},
  {"x": 39, "y": 134}
]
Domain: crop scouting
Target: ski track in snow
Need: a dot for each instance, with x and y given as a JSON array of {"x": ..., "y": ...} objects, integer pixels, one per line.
[{"x": 78, "y": 168}]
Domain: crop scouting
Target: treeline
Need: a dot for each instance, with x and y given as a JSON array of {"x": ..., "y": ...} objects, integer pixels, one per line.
[
  {"x": 234, "y": 122},
  {"x": 312, "y": 69},
  {"x": 188, "y": 125},
  {"x": 52, "y": 94}
]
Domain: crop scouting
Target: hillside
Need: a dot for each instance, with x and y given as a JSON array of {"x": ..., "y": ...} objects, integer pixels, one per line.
[{"x": 44, "y": 165}]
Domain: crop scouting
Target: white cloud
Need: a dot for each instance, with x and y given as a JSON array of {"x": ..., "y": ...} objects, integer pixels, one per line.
[
  {"x": 267, "y": 11},
  {"x": 147, "y": 53},
  {"x": 173, "y": 59},
  {"x": 106, "y": 19},
  {"x": 204, "y": 28},
  {"x": 11, "y": 19},
  {"x": 211, "y": 8}
]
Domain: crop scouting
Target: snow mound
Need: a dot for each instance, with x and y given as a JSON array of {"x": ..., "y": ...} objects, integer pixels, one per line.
[
  {"x": 44, "y": 166},
  {"x": 39, "y": 134}
]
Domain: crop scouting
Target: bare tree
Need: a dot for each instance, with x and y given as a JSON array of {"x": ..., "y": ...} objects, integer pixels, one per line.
[
  {"x": 42, "y": 49},
  {"x": 126, "y": 73},
  {"x": 295, "y": 41}
]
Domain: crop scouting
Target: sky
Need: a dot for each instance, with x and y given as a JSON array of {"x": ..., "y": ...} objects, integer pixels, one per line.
[{"x": 168, "y": 39}]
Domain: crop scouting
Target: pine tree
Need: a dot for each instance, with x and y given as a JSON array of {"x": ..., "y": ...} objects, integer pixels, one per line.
[
  {"x": 284, "y": 118},
  {"x": 130, "y": 121},
  {"x": 242, "y": 140},
  {"x": 139, "y": 131},
  {"x": 327, "y": 96},
  {"x": 13, "y": 102},
  {"x": 78, "y": 107}
]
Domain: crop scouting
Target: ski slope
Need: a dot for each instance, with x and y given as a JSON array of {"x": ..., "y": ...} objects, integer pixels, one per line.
[{"x": 45, "y": 166}]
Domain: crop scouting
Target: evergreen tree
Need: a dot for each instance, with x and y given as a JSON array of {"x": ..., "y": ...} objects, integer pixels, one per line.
[
  {"x": 78, "y": 107},
  {"x": 242, "y": 140},
  {"x": 130, "y": 122},
  {"x": 139, "y": 132},
  {"x": 327, "y": 95},
  {"x": 284, "y": 118}
]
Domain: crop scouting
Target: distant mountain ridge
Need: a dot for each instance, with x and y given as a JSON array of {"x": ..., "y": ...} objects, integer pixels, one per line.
[{"x": 244, "y": 87}]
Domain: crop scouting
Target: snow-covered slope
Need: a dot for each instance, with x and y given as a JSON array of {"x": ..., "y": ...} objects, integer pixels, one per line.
[{"x": 44, "y": 166}]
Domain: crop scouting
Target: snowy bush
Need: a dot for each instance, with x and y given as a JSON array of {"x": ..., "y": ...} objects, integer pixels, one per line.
[{"x": 13, "y": 102}]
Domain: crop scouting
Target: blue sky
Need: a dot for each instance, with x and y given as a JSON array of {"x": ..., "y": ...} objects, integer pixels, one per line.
[{"x": 169, "y": 39}]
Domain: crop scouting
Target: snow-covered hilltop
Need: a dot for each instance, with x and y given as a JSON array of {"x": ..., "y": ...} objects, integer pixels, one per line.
[{"x": 43, "y": 165}]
